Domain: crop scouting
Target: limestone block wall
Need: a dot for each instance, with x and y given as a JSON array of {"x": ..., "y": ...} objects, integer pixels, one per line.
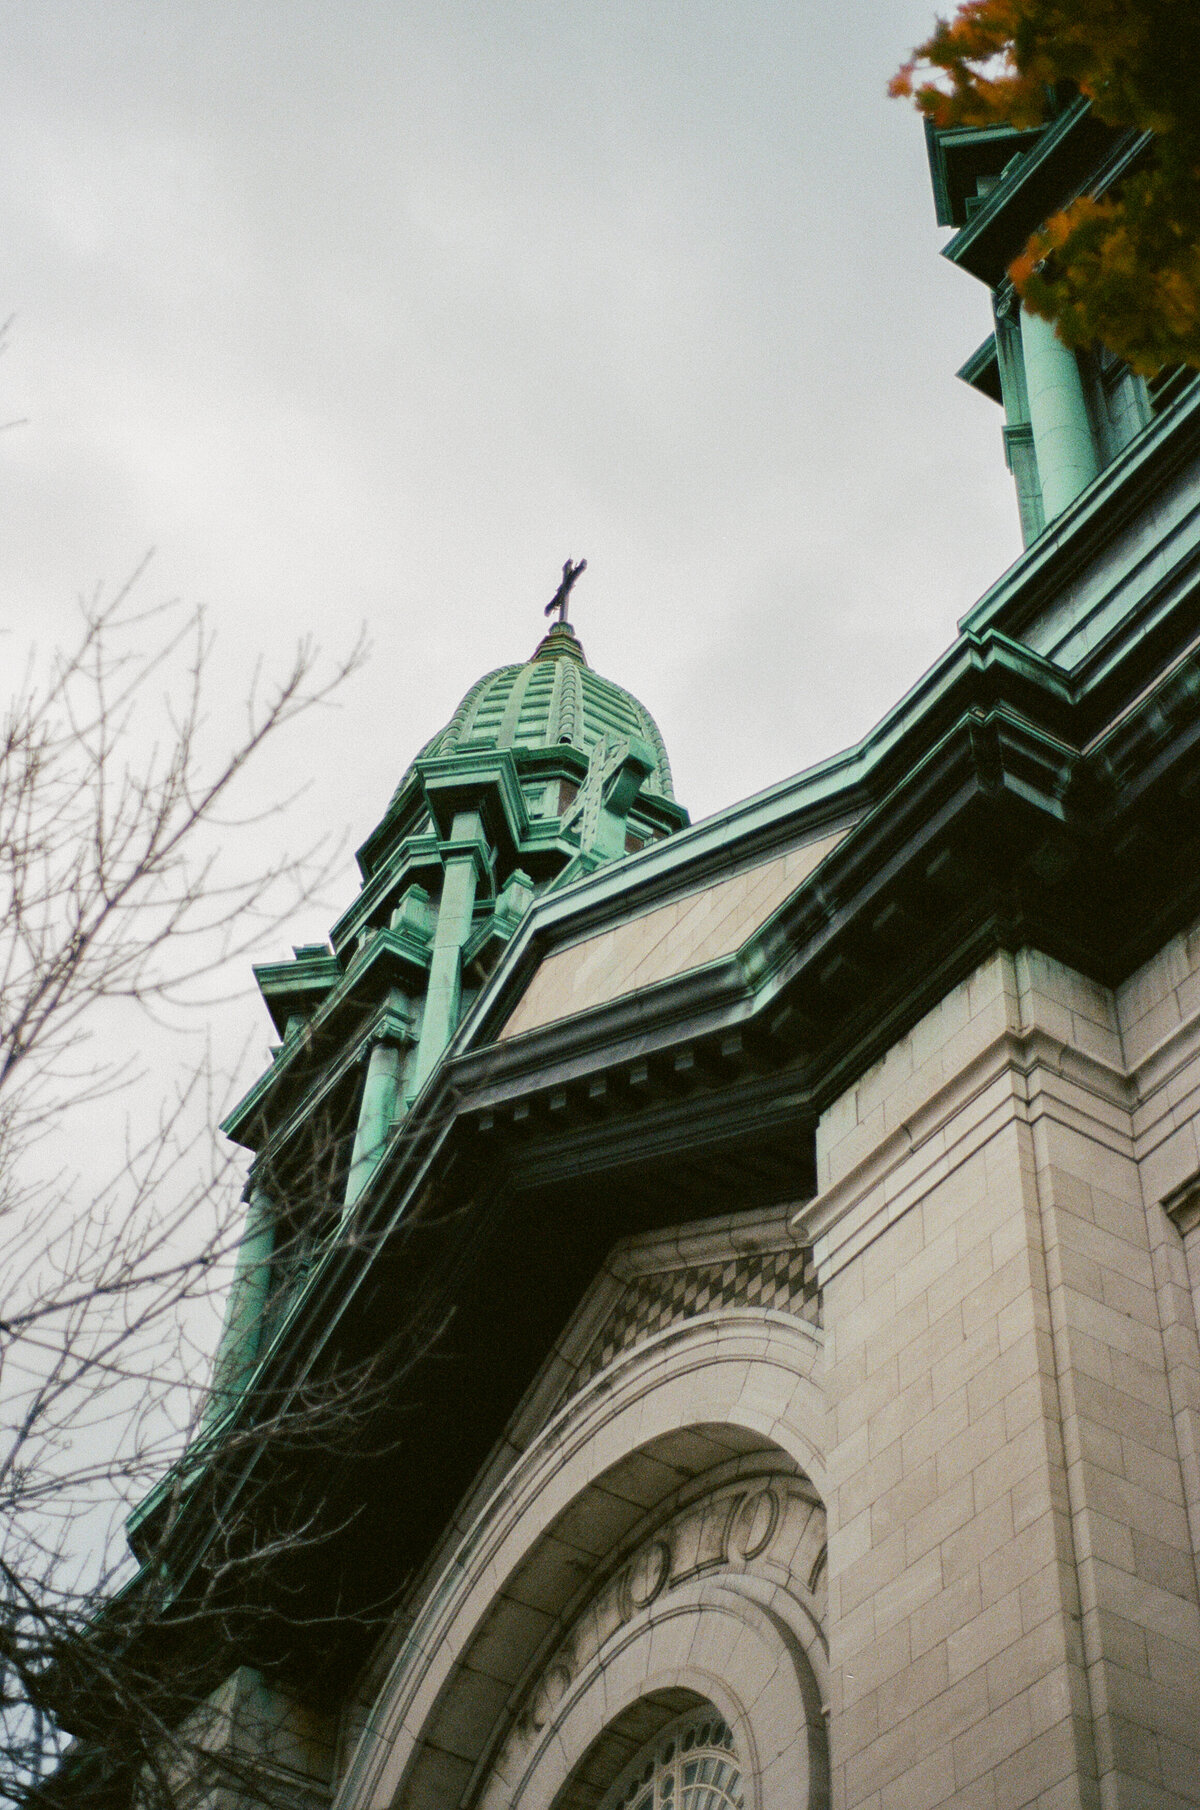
[
  {"x": 1159, "y": 1010},
  {"x": 1159, "y": 1014},
  {"x": 252, "y": 1743},
  {"x": 1012, "y": 1373}
]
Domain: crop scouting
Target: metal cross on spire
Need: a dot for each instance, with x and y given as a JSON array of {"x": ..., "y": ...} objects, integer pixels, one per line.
[{"x": 558, "y": 602}]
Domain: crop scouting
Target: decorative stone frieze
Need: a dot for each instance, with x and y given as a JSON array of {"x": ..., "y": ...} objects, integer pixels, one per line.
[
  {"x": 773, "y": 1524},
  {"x": 780, "y": 1280}
]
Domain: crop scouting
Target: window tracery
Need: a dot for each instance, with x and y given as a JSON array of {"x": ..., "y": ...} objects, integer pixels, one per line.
[{"x": 691, "y": 1765}]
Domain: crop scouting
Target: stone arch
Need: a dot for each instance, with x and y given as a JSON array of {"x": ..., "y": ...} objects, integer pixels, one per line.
[
  {"x": 712, "y": 1410},
  {"x": 720, "y": 1644},
  {"x": 628, "y": 1734}
]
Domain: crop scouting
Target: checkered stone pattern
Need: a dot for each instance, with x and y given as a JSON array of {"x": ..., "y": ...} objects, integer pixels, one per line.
[{"x": 782, "y": 1280}]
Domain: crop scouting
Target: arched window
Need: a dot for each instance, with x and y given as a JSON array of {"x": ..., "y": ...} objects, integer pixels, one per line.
[{"x": 692, "y": 1765}]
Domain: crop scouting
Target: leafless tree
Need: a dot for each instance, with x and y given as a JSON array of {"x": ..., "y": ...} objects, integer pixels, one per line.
[{"x": 121, "y": 903}]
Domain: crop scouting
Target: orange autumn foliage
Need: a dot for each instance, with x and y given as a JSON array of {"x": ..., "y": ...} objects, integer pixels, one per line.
[{"x": 1123, "y": 270}]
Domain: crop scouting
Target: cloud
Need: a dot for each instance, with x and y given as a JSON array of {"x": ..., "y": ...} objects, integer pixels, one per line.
[{"x": 382, "y": 310}]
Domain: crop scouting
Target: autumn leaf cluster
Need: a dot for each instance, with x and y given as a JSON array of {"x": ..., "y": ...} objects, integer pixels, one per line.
[{"x": 1122, "y": 269}]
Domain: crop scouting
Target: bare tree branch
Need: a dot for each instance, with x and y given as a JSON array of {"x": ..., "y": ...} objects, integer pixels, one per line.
[{"x": 116, "y": 893}]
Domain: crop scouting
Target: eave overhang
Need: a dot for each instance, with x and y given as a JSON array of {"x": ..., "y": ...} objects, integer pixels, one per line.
[
  {"x": 392, "y": 958},
  {"x": 297, "y": 987},
  {"x": 982, "y": 370},
  {"x": 960, "y": 155},
  {"x": 1074, "y": 154},
  {"x": 1119, "y": 560}
]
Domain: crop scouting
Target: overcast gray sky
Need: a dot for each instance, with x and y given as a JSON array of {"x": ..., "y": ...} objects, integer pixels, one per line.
[{"x": 377, "y": 312}]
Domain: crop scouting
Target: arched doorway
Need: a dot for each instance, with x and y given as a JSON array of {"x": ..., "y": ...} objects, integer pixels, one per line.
[{"x": 640, "y": 1562}]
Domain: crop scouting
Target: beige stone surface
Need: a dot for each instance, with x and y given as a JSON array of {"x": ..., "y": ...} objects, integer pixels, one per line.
[
  {"x": 1012, "y": 1381},
  {"x": 945, "y": 1614},
  {"x": 666, "y": 941},
  {"x": 275, "y": 1747}
]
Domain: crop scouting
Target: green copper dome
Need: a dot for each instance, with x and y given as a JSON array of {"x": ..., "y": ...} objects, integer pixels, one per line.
[
  {"x": 565, "y": 734},
  {"x": 554, "y": 698}
]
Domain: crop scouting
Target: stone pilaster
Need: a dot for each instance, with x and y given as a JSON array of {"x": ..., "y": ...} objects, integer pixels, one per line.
[{"x": 1013, "y": 1605}]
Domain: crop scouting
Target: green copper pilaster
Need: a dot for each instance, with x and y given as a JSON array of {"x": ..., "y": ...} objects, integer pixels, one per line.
[
  {"x": 377, "y": 1111},
  {"x": 241, "y": 1335},
  {"x": 465, "y": 856},
  {"x": 1063, "y": 440}
]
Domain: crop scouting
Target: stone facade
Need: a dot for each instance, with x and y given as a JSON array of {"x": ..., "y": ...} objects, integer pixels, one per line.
[
  {"x": 995, "y": 1410},
  {"x": 799, "y": 1214},
  {"x": 1013, "y": 1376}
]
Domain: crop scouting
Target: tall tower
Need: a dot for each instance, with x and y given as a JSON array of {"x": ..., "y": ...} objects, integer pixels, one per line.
[
  {"x": 1068, "y": 415},
  {"x": 544, "y": 773}
]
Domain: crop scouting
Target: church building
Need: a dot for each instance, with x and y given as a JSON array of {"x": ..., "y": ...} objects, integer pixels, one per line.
[{"x": 720, "y": 1302}]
